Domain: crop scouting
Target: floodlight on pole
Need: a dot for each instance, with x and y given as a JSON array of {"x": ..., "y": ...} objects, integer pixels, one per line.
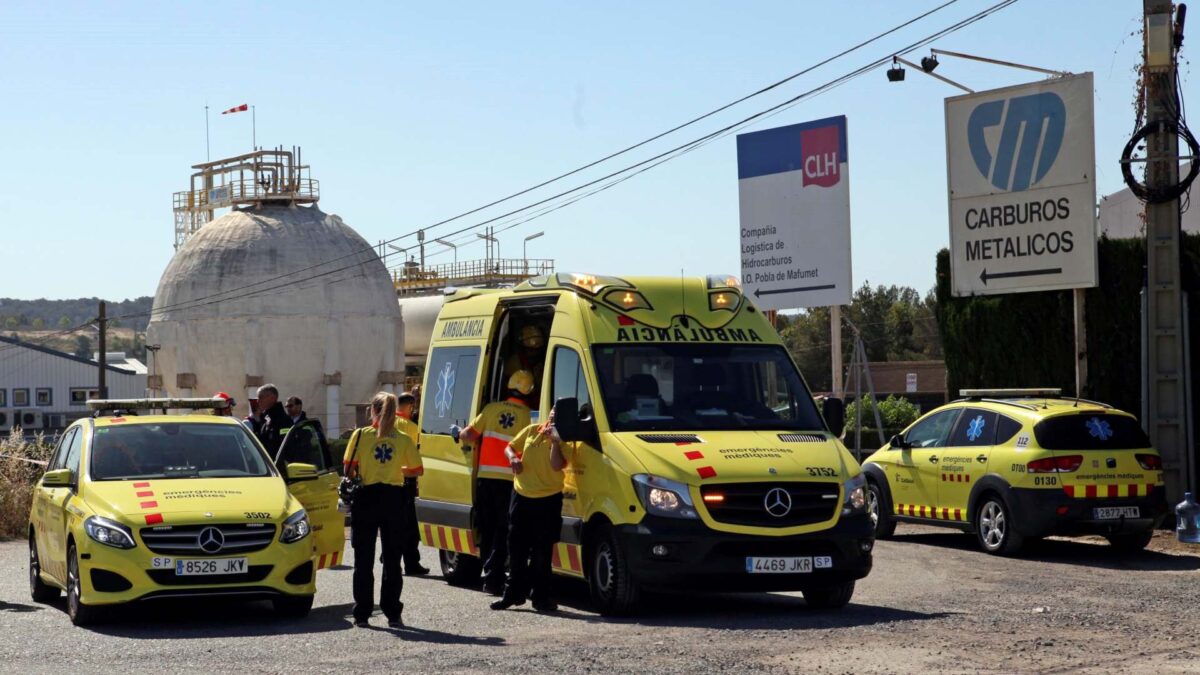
[
  {"x": 443, "y": 242},
  {"x": 524, "y": 245}
]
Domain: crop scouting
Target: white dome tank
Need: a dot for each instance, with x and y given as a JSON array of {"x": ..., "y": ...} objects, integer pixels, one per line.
[{"x": 333, "y": 338}]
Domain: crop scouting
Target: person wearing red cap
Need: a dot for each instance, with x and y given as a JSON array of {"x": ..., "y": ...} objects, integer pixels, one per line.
[{"x": 228, "y": 410}]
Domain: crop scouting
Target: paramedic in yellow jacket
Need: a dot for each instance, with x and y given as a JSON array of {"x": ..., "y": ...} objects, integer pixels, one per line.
[
  {"x": 538, "y": 457},
  {"x": 490, "y": 433},
  {"x": 382, "y": 456}
]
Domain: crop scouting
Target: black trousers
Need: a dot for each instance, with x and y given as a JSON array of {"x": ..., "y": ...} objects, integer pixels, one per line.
[
  {"x": 492, "y": 499},
  {"x": 378, "y": 511},
  {"x": 411, "y": 537},
  {"x": 534, "y": 526}
]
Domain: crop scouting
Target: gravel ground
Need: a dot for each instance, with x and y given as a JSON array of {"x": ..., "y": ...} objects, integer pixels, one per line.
[{"x": 933, "y": 604}]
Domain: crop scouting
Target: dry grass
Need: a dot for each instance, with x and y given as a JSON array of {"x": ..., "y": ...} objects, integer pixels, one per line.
[{"x": 16, "y": 480}]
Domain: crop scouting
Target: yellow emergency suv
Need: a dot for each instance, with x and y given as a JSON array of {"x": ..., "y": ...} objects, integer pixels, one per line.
[
  {"x": 702, "y": 461},
  {"x": 1012, "y": 465},
  {"x": 136, "y": 506}
]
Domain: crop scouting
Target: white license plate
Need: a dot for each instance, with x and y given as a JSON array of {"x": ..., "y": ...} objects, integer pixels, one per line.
[
  {"x": 1112, "y": 512},
  {"x": 788, "y": 565},
  {"x": 197, "y": 568}
]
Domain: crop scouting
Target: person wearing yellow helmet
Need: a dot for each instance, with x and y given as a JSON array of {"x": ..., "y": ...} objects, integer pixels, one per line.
[
  {"x": 489, "y": 433},
  {"x": 529, "y": 354}
]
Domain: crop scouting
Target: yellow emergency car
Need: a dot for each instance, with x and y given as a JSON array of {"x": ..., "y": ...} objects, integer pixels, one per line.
[
  {"x": 702, "y": 461},
  {"x": 1017, "y": 464},
  {"x": 141, "y": 506}
]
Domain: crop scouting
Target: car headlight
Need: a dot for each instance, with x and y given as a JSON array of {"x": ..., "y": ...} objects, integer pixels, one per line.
[
  {"x": 663, "y": 497},
  {"x": 295, "y": 528},
  {"x": 108, "y": 532},
  {"x": 856, "y": 495}
]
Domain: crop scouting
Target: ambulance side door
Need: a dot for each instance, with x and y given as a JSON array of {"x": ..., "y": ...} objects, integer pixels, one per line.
[
  {"x": 914, "y": 478},
  {"x": 965, "y": 459},
  {"x": 447, "y": 400},
  {"x": 305, "y": 444},
  {"x": 584, "y": 479}
]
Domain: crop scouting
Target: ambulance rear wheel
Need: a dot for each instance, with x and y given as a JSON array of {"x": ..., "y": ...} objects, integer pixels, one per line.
[
  {"x": 40, "y": 591},
  {"x": 611, "y": 584},
  {"x": 1130, "y": 543},
  {"x": 459, "y": 569},
  {"x": 880, "y": 510},
  {"x": 293, "y": 606},
  {"x": 994, "y": 526},
  {"x": 833, "y": 596}
]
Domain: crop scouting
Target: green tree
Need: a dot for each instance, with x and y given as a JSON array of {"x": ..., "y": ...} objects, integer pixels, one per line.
[
  {"x": 12, "y": 322},
  {"x": 64, "y": 322},
  {"x": 83, "y": 346},
  {"x": 38, "y": 323}
]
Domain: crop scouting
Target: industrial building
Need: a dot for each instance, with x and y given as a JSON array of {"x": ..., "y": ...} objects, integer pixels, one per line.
[{"x": 43, "y": 389}]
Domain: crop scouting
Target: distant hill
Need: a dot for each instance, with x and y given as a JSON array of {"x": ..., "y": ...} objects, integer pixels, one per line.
[{"x": 42, "y": 314}]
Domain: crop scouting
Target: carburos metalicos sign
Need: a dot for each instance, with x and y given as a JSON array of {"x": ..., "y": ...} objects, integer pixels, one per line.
[{"x": 1021, "y": 173}]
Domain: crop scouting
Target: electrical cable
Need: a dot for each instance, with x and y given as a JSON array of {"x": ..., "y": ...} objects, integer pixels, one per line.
[
  {"x": 618, "y": 153},
  {"x": 642, "y": 166}
]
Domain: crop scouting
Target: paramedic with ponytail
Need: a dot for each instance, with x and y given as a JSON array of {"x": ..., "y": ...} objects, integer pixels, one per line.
[{"x": 381, "y": 456}]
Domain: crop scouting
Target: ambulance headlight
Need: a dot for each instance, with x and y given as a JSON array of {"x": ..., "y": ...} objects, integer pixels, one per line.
[
  {"x": 856, "y": 495},
  {"x": 663, "y": 497},
  {"x": 108, "y": 532},
  {"x": 295, "y": 528}
]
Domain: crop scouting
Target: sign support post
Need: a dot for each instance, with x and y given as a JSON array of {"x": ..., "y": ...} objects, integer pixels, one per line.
[
  {"x": 835, "y": 349},
  {"x": 1081, "y": 360}
]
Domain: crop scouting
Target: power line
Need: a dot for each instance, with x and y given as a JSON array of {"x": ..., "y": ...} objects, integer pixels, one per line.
[
  {"x": 613, "y": 155},
  {"x": 641, "y": 166}
]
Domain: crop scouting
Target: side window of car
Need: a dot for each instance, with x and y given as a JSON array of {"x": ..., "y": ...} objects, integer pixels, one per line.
[
  {"x": 74, "y": 450},
  {"x": 975, "y": 428},
  {"x": 932, "y": 431},
  {"x": 59, "y": 460},
  {"x": 304, "y": 444},
  {"x": 1006, "y": 428},
  {"x": 446, "y": 399},
  {"x": 569, "y": 379}
]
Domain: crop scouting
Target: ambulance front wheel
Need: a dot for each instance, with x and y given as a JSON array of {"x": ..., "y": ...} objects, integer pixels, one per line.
[
  {"x": 881, "y": 511},
  {"x": 612, "y": 587},
  {"x": 459, "y": 569},
  {"x": 832, "y": 596},
  {"x": 293, "y": 606}
]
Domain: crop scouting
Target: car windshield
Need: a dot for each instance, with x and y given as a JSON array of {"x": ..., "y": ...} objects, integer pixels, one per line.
[
  {"x": 175, "y": 450},
  {"x": 690, "y": 387}
]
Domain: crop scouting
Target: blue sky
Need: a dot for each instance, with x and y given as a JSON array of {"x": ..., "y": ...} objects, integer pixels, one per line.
[{"x": 410, "y": 113}]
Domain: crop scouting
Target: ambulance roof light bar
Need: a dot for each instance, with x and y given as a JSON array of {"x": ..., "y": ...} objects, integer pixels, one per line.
[
  {"x": 133, "y": 405},
  {"x": 1033, "y": 392}
]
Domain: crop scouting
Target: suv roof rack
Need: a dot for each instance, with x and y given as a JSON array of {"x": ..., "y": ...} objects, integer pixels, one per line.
[
  {"x": 131, "y": 406},
  {"x": 1032, "y": 392}
]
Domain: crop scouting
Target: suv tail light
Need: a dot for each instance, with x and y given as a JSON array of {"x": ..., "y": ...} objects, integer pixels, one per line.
[
  {"x": 1149, "y": 462},
  {"x": 1065, "y": 464}
]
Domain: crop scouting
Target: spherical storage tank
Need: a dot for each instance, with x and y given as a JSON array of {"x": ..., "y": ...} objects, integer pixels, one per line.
[{"x": 229, "y": 315}]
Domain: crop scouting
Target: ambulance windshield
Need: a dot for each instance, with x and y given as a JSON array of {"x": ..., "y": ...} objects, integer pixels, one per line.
[
  {"x": 693, "y": 387},
  {"x": 175, "y": 450}
]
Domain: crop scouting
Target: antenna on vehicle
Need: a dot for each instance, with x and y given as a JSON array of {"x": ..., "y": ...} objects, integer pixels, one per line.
[{"x": 682, "y": 299}]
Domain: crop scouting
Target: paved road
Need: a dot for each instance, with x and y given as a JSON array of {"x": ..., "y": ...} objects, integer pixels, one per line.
[{"x": 933, "y": 604}]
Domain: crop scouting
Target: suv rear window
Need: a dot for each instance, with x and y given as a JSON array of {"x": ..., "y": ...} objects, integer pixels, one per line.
[{"x": 1090, "y": 431}]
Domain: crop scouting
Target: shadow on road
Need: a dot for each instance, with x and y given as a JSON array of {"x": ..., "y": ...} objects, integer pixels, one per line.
[
  {"x": 18, "y": 608},
  {"x": 437, "y": 637},
  {"x": 187, "y": 620},
  {"x": 1064, "y": 552}
]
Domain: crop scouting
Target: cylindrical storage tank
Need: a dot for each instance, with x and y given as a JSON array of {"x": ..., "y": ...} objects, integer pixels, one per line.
[
  {"x": 419, "y": 314},
  {"x": 287, "y": 295}
]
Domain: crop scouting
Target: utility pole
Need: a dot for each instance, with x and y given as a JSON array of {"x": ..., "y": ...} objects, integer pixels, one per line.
[
  {"x": 1165, "y": 370},
  {"x": 102, "y": 323}
]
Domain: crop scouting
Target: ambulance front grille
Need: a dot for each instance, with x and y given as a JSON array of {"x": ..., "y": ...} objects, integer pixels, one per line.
[
  {"x": 185, "y": 539},
  {"x": 747, "y": 503},
  {"x": 670, "y": 438},
  {"x": 802, "y": 438}
]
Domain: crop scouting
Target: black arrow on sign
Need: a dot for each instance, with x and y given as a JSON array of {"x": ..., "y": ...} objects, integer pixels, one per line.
[
  {"x": 758, "y": 292},
  {"x": 984, "y": 276}
]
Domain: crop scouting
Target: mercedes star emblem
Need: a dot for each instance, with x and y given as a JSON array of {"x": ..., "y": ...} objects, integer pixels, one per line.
[
  {"x": 211, "y": 540},
  {"x": 778, "y": 502}
]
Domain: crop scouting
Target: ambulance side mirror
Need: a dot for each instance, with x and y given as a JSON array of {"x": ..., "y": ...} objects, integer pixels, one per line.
[
  {"x": 574, "y": 424},
  {"x": 898, "y": 443},
  {"x": 834, "y": 412}
]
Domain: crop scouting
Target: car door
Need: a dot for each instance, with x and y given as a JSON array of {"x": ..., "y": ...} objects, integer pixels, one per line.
[
  {"x": 305, "y": 444},
  {"x": 964, "y": 461},
  {"x": 57, "y": 499},
  {"x": 914, "y": 478},
  {"x": 570, "y": 381},
  {"x": 448, "y": 399}
]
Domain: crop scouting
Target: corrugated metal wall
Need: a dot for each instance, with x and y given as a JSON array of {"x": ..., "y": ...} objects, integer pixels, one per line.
[{"x": 24, "y": 369}]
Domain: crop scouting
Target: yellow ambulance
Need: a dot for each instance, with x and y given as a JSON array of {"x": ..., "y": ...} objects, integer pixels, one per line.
[
  {"x": 137, "y": 507},
  {"x": 703, "y": 462}
]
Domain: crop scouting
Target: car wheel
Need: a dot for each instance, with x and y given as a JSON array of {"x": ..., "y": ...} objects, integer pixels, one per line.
[
  {"x": 1130, "y": 543},
  {"x": 293, "y": 606},
  {"x": 994, "y": 526},
  {"x": 833, "y": 596},
  {"x": 81, "y": 614},
  {"x": 881, "y": 512},
  {"x": 459, "y": 569},
  {"x": 612, "y": 587},
  {"x": 38, "y": 589}
]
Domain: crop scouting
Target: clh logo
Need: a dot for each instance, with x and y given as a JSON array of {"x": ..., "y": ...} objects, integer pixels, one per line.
[
  {"x": 1036, "y": 122},
  {"x": 819, "y": 156}
]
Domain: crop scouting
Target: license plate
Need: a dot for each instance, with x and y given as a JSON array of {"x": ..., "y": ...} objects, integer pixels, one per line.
[
  {"x": 196, "y": 568},
  {"x": 1111, "y": 512},
  {"x": 788, "y": 565}
]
